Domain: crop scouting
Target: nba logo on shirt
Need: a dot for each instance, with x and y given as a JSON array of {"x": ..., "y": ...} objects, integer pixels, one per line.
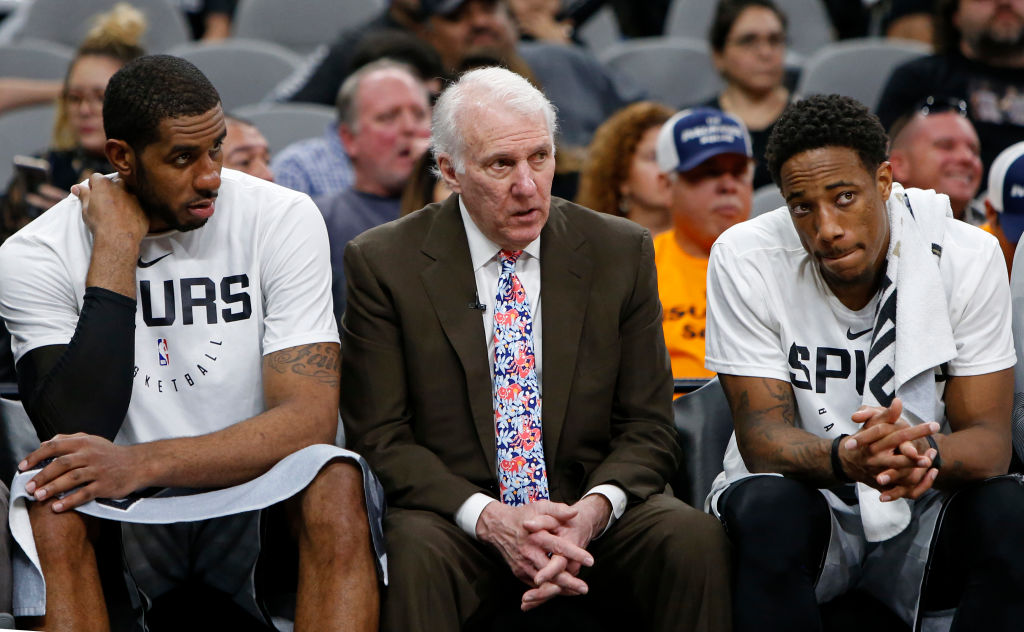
[{"x": 161, "y": 351}]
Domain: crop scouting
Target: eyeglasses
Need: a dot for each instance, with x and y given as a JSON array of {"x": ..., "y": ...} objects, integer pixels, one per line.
[
  {"x": 933, "y": 105},
  {"x": 76, "y": 99}
]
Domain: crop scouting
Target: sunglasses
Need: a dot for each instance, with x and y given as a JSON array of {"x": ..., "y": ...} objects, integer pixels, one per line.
[{"x": 932, "y": 105}]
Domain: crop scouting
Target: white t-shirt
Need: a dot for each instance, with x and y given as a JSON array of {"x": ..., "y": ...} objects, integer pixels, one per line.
[
  {"x": 771, "y": 314},
  {"x": 211, "y": 302}
]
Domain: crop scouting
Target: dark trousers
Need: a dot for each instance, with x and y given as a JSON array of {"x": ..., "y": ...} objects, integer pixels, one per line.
[
  {"x": 663, "y": 559},
  {"x": 780, "y": 531}
]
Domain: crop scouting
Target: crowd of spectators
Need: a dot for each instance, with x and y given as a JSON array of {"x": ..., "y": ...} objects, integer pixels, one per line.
[{"x": 686, "y": 172}]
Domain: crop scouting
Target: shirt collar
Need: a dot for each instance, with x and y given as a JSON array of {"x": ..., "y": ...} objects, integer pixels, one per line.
[{"x": 481, "y": 249}]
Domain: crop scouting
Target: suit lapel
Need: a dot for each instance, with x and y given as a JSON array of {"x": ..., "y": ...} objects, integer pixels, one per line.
[
  {"x": 565, "y": 287},
  {"x": 451, "y": 286}
]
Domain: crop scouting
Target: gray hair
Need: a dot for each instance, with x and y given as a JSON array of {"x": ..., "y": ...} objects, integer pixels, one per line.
[
  {"x": 484, "y": 87},
  {"x": 346, "y": 101}
]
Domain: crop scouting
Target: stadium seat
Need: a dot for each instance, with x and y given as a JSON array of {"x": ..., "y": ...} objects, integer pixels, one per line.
[
  {"x": 67, "y": 22},
  {"x": 243, "y": 71},
  {"x": 809, "y": 25},
  {"x": 856, "y": 68},
  {"x": 285, "y": 123},
  {"x": 674, "y": 70},
  {"x": 766, "y": 198},
  {"x": 35, "y": 59},
  {"x": 301, "y": 25},
  {"x": 704, "y": 423},
  {"x": 601, "y": 30},
  {"x": 23, "y": 131}
]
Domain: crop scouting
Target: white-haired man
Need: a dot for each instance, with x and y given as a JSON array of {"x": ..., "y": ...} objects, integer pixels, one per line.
[{"x": 443, "y": 348}]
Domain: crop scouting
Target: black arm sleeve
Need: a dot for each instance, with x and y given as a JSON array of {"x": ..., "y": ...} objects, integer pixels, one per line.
[{"x": 85, "y": 385}]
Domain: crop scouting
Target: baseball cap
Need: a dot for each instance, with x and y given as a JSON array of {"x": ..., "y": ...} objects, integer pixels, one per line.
[
  {"x": 440, "y": 7},
  {"x": 1006, "y": 190},
  {"x": 692, "y": 136}
]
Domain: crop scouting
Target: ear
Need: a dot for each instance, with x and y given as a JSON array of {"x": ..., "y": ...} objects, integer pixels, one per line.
[
  {"x": 122, "y": 157},
  {"x": 900, "y": 165},
  {"x": 448, "y": 174},
  {"x": 884, "y": 179},
  {"x": 718, "y": 62},
  {"x": 347, "y": 140}
]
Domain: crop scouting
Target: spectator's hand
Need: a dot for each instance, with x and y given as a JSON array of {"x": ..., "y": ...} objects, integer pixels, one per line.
[
  {"x": 90, "y": 465},
  {"x": 111, "y": 211},
  {"x": 888, "y": 453},
  {"x": 45, "y": 196},
  {"x": 536, "y": 18},
  {"x": 558, "y": 576},
  {"x": 524, "y": 551}
]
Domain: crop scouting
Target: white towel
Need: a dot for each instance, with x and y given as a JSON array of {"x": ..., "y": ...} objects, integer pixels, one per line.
[
  {"x": 288, "y": 477},
  {"x": 912, "y": 335}
]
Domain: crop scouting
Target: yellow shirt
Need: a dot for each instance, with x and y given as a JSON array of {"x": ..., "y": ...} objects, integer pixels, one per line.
[{"x": 682, "y": 287}]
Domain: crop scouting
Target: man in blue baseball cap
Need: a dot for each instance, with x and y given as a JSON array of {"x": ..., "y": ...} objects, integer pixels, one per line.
[
  {"x": 706, "y": 156},
  {"x": 1004, "y": 202}
]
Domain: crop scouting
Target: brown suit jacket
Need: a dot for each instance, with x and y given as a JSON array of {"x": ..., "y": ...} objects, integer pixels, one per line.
[{"x": 416, "y": 385}]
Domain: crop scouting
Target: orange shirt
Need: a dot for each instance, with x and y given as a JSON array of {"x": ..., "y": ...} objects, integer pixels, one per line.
[{"x": 682, "y": 287}]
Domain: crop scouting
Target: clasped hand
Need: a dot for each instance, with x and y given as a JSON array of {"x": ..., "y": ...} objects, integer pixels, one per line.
[
  {"x": 92, "y": 464},
  {"x": 544, "y": 543},
  {"x": 889, "y": 454}
]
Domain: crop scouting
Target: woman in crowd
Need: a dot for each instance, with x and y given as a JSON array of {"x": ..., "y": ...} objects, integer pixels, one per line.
[
  {"x": 78, "y": 136},
  {"x": 620, "y": 175},
  {"x": 748, "y": 47}
]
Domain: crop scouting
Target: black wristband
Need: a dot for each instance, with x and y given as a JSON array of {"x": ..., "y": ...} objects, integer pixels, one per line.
[
  {"x": 837, "y": 465},
  {"x": 937, "y": 461}
]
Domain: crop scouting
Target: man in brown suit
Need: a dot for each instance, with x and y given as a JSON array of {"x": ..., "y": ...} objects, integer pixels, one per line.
[{"x": 418, "y": 398}]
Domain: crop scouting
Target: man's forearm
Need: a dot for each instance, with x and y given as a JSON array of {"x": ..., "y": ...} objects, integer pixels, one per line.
[
  {"x": 767, "y": 436},
  {"x": 236, "y": 454},
  {"x": 972, "y": 454}
]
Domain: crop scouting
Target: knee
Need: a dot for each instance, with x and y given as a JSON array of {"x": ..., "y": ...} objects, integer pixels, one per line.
[
  {"x": 332, "y": 509},
  {"x": 772, "y": 509},
  {"x": 995, "y": 512}
]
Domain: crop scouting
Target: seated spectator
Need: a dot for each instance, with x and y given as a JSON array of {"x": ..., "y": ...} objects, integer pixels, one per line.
[
  {"x": 424, "y": 187},
  {"x": 748, "y": 47},
  {"x": 227, "y": 374},
  {"x": 705, "y": 158},
  {"x": 621, "y": 175},
  {"x": 1004, "y": 202},
  {"x": 935, "y": 147},
  {"x": 245, "y": 149},
  {"x": 319, "y": 166},
  {"x": 584, "y": 91},
  {"x": 78, "y": 138},
  {"x": 847, "y": 330},
  {"x": 384, "y": 111},
  {"x": 980, "y": 61}
]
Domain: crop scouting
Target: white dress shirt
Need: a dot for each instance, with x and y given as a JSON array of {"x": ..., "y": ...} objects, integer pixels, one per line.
[{"x": 485, "y": 255}]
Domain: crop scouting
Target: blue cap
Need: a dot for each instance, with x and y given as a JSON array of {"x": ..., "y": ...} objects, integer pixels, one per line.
[
  {"x": 1006, "y": 190},
  {"x": 693, "y": 136}
]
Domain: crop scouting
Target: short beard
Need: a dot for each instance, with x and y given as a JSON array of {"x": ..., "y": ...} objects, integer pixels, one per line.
[
  {"x": 988, "y": 47},
  {"x": 156, "y": 208}
]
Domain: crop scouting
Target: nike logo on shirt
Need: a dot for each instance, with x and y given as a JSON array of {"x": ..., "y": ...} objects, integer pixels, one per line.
[
  {"x": 853, "y": 336},
  {"x": 146, "y": 264}
]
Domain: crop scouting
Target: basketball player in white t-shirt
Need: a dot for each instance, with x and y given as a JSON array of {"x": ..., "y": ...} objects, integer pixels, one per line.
[
  {"x": 173, "y": 327},
  {"x": 792, "y": 303}
]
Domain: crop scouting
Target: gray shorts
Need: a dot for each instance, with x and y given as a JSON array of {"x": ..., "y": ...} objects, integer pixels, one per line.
[{"x": 220, "y": 553}]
